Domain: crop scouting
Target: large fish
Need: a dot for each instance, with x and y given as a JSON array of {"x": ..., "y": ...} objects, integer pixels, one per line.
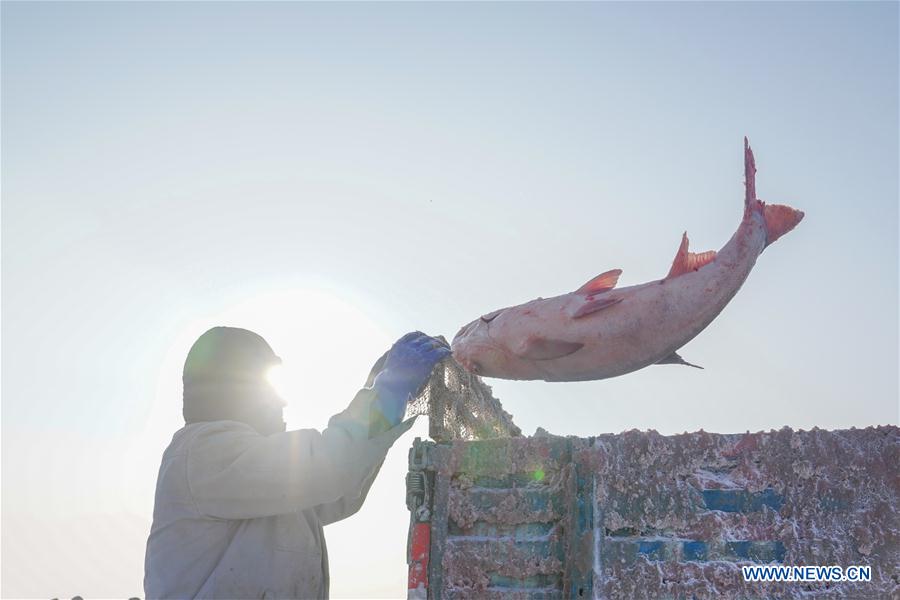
[{"x": 601, "y": 331}]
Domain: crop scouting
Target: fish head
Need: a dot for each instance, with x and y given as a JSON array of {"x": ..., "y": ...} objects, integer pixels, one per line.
[{"x": 475, "y": 349}]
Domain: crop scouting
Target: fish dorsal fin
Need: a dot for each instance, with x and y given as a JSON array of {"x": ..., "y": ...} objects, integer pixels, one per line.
[
  {"x": 675, "y": 359},
  {"x": 542, "y": 348},
  {"x": 685, "y": 261},
  {"x": 601, "y": 283}
]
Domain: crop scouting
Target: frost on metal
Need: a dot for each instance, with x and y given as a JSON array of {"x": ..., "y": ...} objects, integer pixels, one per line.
[
  {"x": 500, "y": 522},
  {"x": 460, "y": 406},
  {"x": 641, "y": 515},
  {"x": 678, "y": 515}
]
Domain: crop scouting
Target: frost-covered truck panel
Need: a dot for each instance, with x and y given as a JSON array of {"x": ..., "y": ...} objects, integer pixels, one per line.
[{"x": 641, "y": 515}]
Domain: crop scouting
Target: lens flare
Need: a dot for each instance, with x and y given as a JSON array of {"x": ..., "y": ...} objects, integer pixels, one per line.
[{"x": 277, "y": 379}]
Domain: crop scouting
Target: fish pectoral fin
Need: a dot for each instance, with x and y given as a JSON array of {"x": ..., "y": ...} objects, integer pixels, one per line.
[
  {"x": 592, "y": 305},
  {"x": 541, "y": 348},
  {"x": 601, "y": 283},
  {"x": 685, "y": 261},
  {"x": 675, "y": 359}
]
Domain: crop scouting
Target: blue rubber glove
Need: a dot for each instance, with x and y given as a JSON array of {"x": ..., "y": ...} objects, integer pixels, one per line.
[{"x": 405, "y": 371}]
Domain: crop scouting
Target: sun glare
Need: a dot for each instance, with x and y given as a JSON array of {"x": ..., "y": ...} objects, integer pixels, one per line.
[
  {"x": 276, "y": 378},
  {"x": 327, "y": 344}
]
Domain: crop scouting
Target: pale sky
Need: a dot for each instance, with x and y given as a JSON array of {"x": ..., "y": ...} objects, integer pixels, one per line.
[{"x": 335, "y": 175}]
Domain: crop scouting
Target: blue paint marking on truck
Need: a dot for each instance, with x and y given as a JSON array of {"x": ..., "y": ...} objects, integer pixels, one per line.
[
  {"x": 694, "y": 551},
  {"x": 652, "y": 550}
]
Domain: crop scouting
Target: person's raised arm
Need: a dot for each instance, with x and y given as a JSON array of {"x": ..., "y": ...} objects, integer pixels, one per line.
[{"x": 236, "y": 473}]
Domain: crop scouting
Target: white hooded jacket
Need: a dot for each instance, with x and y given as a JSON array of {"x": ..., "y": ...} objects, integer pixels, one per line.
[{"x": 240, "y": 515}]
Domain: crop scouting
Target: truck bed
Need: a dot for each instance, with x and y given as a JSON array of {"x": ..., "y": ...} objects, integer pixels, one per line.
[{"x": 641, "y": 515}]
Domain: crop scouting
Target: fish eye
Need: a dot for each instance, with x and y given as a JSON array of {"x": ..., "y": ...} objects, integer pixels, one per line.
[{"x": 491, "y": 316}]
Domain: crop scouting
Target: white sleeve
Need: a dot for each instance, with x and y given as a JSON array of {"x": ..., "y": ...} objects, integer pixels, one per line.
[
  {"x": 235, "y": 473},
  {"x": 348, "y": 505}
]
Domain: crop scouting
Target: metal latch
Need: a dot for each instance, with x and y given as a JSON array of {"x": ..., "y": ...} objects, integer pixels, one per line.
[
  {"x": 418, "y": 455},
  {"x": 417, "y": 488}
]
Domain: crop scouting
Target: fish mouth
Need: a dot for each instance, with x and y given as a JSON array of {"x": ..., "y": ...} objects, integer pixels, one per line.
[
  {"x": 462, "y": 353},
  {"x": 465, "y": 362},
  {"x": 471, "y": 366},
  {"x": 470, "y": 342},
  {"x": 455, "y": 351},
  {"x": 463, "y": 332}
]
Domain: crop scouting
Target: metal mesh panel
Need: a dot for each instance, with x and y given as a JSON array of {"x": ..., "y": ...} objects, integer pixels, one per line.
[{"x": 460, "y": 406}]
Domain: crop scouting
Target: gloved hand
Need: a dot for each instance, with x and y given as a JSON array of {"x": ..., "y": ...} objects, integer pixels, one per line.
[{"x": 404, "y": 372}]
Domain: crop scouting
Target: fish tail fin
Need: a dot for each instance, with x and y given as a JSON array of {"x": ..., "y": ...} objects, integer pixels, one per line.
[
  {"x": 779, "y": 219},
  {"x": 750, "y": 201}
]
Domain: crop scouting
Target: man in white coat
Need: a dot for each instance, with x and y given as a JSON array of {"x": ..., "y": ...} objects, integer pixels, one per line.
[{"x": 240, "y": 502}]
